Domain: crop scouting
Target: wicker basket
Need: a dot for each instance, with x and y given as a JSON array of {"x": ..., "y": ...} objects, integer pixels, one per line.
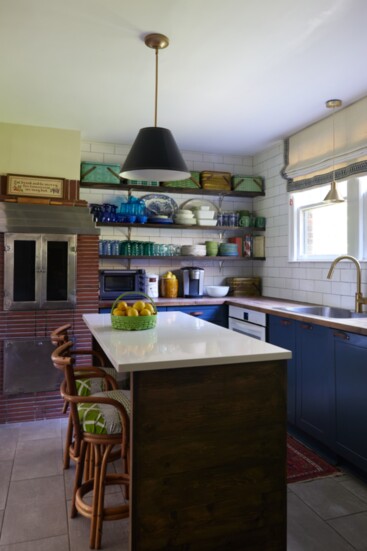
[{"x": 133, "y": 323}]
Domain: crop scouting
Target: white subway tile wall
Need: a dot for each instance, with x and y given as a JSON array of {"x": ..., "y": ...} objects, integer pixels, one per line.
[
  {"x": 215, "y": 272},
  {"x": 300, "y": 281}
]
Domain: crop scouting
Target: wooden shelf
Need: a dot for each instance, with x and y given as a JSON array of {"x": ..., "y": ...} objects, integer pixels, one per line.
[
  {"x": 179, "y": 226},
  {"x": 178, "y": 257},
  {"x": 168, "y": 190}
]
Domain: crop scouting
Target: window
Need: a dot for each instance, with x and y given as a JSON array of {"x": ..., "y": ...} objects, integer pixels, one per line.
[{"x": 322, "y": 231}]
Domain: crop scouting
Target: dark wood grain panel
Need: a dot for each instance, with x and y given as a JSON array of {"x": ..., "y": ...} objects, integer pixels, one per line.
[{"x": 209, "y": 458}]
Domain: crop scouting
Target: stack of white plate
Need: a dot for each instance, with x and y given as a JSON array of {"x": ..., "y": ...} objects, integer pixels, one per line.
[
  {"x": 204, "y": 216},
  {"x": 185, "y": 217},
  {"x": 193, "y": 250}
]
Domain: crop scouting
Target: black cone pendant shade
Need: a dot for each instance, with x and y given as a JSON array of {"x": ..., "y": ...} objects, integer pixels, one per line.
[{"x": 154, "y": 155}]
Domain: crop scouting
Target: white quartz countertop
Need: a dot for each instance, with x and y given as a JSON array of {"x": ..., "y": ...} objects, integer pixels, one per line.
[{"x": 178, "y": 340}]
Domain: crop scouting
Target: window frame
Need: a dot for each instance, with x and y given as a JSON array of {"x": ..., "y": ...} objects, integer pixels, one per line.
[{"x": 356, "y": 229}]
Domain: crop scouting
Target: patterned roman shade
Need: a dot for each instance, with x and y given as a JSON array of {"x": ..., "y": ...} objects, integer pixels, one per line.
[{"x": 309, "y": 158}]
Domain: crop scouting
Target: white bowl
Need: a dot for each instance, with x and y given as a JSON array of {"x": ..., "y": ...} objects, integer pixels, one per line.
[
  {"x": 185, "y": 221},
  {"x": 217, "y": 290},
  {"x": 205, "y": 214},
  {"x": 202, "y": 207},
  {"x": 185, "y": 213},
  {"x": 206, "y": 222}
]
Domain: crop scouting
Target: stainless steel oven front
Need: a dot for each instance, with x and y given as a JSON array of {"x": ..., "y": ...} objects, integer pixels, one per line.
[
  {"x": 247, "y": 322},
  {"x": 39, "y": 271}
]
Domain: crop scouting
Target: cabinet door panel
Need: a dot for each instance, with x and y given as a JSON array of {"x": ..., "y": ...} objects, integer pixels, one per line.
[
  {"x": 351, "y": 397},
  {"x": 314, "y": 380},
  {"x": 215, "y": 314},
  {"x": 282, "y": 332}
]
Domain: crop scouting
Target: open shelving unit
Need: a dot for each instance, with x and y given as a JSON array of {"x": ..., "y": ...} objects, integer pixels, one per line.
[{"x": 168, "y": 189}]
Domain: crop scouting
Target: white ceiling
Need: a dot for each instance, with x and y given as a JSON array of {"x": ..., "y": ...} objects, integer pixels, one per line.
[{"x": 238, "y": 74}]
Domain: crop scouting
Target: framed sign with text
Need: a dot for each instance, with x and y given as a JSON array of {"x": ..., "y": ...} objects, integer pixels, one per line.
[{"x": 35, "y": 186}]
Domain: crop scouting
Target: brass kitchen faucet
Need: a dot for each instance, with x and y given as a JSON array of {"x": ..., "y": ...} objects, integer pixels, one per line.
[{"x": 359, "y": 298}]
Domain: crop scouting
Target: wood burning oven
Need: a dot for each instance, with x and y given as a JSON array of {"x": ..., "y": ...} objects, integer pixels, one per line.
[{"x": 39, "y": 271}]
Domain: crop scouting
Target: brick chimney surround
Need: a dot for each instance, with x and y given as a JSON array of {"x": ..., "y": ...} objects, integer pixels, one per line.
[{"x": 30, "y": 406}]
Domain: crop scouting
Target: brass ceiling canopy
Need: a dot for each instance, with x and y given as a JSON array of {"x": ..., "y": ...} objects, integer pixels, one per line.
[
  {"x": 156, "y": 41},
  {"x": 333, "y": 103}
]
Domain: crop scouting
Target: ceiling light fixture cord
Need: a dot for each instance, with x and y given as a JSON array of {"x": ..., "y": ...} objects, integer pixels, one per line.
[
  {"x": 333, "y": 195},
  {"x": 156, "y": 88},
  {"x": 154, "y": 155}
]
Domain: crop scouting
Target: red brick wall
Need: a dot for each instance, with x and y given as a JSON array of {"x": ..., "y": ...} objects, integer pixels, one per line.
[{"x": 45, "y": 405}]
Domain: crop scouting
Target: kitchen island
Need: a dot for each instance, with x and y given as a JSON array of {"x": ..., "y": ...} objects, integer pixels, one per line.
[{"x": 208, "y": 434}]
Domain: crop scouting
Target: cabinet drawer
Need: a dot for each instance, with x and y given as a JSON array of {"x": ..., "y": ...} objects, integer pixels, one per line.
[{"x": 215, "y": 314}]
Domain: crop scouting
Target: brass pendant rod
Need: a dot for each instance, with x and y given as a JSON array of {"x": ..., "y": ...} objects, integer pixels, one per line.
[
  {"x": 157, "y": 42},
  {"x": 156, "y": 88}
]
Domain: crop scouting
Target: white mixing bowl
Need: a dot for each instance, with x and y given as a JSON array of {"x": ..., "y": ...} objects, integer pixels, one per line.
[{"x": 217, "y": 290}]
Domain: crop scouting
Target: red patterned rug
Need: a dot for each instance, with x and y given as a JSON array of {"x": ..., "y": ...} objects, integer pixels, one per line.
[{"x": 304, "y": 464}]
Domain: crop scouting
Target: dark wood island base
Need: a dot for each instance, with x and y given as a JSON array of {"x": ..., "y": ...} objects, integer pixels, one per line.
[{"x": 209, "y": 458}]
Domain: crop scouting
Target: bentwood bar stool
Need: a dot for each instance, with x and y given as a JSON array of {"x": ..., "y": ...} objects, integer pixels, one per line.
[{"x": 101, "y": 424}]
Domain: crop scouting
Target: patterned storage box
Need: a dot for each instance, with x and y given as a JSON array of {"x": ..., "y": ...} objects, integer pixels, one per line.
[
  {"x": 247, "y": 183},
  {"x": 100, "y": 173},
  {"x": 192, "y": 182},
  {"x": 211, "y": 179},
  {"x": 244, "y": 286}
]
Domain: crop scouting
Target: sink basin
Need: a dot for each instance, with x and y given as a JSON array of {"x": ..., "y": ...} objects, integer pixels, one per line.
[{"x": 324, "y": 311}]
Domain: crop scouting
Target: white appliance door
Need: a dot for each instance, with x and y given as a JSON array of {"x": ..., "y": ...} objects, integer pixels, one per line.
[{"x": 249, "y": 329}]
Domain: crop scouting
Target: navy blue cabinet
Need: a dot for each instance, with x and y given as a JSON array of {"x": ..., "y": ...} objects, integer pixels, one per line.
[
  {"x": 217, "y": 314},
  {"x": 315, "y": 390},
  {"x": 310, "y": 374},
  {"x": 282, "y": 332},
  {"x": 350, "y": 353}
]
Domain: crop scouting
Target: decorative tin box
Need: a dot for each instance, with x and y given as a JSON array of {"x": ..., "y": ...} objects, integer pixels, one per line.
[
  {"x": 244, "y": 286},
  {"x": 192, "y": 182},
  {"x": 211, "y": 179},
  {"x": 247, "y": 183},
  {"x": 100, "y": 173}
]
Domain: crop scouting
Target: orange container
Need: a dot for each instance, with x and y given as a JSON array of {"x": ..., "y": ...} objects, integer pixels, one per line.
[{"x": 169, "y": 287}]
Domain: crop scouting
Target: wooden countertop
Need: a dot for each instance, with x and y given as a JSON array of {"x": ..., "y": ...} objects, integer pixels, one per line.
[{"x": 269, "y": 305}]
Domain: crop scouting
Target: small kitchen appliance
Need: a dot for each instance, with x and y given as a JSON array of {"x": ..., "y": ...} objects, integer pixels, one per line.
[
  {"x": 113, "y": 283},
  {"x": 193, "y": 282}
]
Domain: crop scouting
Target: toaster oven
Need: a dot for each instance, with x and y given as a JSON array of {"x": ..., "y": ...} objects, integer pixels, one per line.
[{"x": 112, "y": 283}]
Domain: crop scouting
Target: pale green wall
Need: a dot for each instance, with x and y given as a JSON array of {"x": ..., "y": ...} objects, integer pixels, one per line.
[{"x": 38, "y": 151}]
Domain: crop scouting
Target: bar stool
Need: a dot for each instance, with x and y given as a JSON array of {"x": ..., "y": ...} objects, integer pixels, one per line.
[
  {"x": 101, "y": 422},
  {"x": 85, "y": 385}
]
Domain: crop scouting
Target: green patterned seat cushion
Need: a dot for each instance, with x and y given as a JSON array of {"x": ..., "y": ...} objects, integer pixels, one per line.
[
  {"x": 86, "y": 387},
  {"x": 104, "y": 418}
]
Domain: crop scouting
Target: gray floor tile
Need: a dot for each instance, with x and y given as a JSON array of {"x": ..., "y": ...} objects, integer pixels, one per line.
[
  {"x": 354, "y": 485},
  {"x": 35, "y": 430},
  {"x": 115, "y": 536},
  {"x": 37, "y": 458},
  {"x": 307, "y": 532},
  {"x": 35, "y": 510},
  {"x": 328, "y": 498},
  {"x": 8, "y": 439},
  {"x": 5, "y": 474},
  {"x": 58, "y": 543},
  {"x": 353, "y": 528}
]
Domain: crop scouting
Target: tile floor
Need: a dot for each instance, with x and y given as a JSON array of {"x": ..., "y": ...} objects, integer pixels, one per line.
[{"x": 323, "y": 514}]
